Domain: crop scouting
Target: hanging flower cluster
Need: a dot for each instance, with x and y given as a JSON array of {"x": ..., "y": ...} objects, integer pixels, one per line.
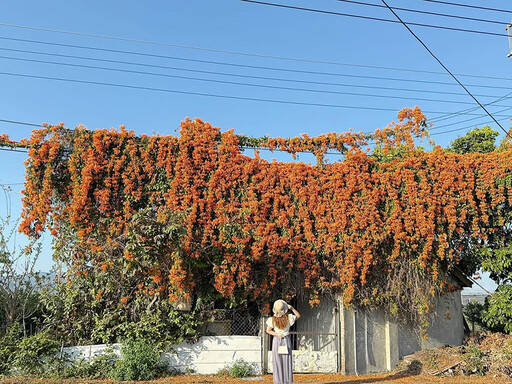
[{"x": 256, "y": 228}]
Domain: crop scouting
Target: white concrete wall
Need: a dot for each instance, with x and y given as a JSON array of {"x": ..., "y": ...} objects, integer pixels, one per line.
[
  {"x": 87, "y": 352},
  {"x": 207, "y": 356},
  {"x": 212, "y": 353}
]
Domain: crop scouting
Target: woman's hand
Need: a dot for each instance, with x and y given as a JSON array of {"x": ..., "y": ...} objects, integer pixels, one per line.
[{"x": 281, "y": 336}]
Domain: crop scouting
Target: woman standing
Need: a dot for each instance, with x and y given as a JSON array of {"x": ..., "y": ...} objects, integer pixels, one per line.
[{"x": 279, "y": 327}]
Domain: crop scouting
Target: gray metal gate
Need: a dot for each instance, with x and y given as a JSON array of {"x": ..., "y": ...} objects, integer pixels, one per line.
[{"x": 314, "y": 337}]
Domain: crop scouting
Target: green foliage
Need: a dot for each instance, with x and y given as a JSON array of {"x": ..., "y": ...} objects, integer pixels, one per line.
[
  {"x": 499, "y": 311},
  {"x": 34, "y": 353},
  {"x": 478, "y": 140},
  {"x": 474, "y": 312},
  {"x": 106, "y": 306},
  {"x": 498, "y": 262},
  {"x": 8, "y": 346},
  {"x": 99, "y": 367},
  {"x": 140, "y": 360},
  {"x": 240, "y": 368},
  {"x": 474, "y": 361}
]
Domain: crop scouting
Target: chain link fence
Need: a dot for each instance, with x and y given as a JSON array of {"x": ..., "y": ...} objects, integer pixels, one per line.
[{"x": 243, "y": 321}]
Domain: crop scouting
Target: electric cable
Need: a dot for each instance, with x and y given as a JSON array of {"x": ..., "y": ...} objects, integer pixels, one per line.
[
  {"x": 446, "y": 69},
  {"x": 239, "y": 75},
  {"x": 234, "y": 82},
  {"x": 166, "y": 90},
  {"x": 287, "y": 70},
  {"x": 159, "y": 43},
  {"x": 469, "y": 6},
  {"x": 427, "y": 12},
  {"x": 374, "y": 18}
]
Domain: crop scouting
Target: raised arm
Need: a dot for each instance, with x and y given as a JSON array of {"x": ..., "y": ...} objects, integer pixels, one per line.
[{"x": 295, "y": 312}]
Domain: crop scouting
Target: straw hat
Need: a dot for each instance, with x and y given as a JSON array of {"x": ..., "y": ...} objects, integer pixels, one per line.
[{"x": 280, "y": 308}]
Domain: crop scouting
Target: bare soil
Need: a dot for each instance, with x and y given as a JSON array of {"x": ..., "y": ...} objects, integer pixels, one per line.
[{"x": 485, "y": 358}]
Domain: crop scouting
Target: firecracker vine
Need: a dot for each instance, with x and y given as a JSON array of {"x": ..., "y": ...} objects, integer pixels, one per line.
[{"x": 380, "y": 230}]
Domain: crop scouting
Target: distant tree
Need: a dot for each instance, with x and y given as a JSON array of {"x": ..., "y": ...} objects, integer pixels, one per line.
[
  {"x": 20, "y": 282},
  {"x": 495, "y": 256},
  {"x": 478, "y": 140}
]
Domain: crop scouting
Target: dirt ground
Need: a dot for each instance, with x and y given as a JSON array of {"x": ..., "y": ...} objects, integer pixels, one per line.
[
  {"x": 488, "y": 354},
  {"x": 267, "y": 379}
]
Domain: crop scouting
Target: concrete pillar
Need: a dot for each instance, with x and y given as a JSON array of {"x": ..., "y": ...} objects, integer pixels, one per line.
[{"x": 391, "y": 346}]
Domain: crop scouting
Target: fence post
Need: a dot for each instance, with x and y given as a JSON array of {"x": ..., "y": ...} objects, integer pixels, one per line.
[{"x": 264, "y": 345}]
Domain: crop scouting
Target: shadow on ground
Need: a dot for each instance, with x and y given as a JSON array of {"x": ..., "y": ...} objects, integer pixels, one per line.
[{"x": 413, "y": 369}]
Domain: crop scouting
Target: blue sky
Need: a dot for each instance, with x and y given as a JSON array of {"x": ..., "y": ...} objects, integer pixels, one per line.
[{"x": 232, "y": 25}]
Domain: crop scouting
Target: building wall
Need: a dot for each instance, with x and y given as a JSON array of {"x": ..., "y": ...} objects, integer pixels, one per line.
[
  {"x": 371, "y": 342},
  {"x": 447, "y": 326},
  {"x": 207, "y": 356}
]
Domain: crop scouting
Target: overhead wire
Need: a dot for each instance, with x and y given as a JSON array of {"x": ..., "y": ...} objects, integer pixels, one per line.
[
  {"x": 427, "y": 12},
  {"x": 287, "y": 70},
  {"x": 166, "y": 90},
  {"x": 469, "y": 6},
  {"x": 375, "y": 18},
  {"x": 445, "y": 68},
  {"x": 324, "y": 91},
  {"x": 238, "y": 75},
  {"x": 465, "y": 111},
  {"x": 160, "y": 43}
]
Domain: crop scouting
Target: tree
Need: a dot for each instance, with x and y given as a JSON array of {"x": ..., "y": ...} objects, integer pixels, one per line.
[
  {"x": 20, "y": 283},
  {"x": 495, "y": 255},
  {"x": 478, "y": 140}
]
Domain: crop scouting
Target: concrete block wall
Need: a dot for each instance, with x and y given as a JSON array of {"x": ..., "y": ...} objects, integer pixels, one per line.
[
  {"x": 207, "y": 356},
  {"x": 212, "y": 353}
]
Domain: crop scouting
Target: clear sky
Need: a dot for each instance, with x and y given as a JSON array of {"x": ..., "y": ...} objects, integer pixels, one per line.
[{"x": 269, "y": 34}]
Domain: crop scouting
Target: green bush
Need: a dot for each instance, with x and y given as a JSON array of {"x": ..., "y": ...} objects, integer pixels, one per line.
[
  {"x": 140, "y": 360},
  {"x": 474, "y": 361},
  {"x": 239, "y": 368},
  {"x": 34, "y": 354},
  {"x": 99, "y": 367},
  {"x": 8, "y": 345}
]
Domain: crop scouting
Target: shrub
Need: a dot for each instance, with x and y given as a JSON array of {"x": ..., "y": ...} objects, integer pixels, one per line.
[
  {"x": 239, "y": 368},
  {"x": 8, "y": 345},
  {"x": 140, "y": 360},
  {"x": 34, "y": 354},
  {"x": 474, "y": 361},
  {"x": 99, "y": 367}
]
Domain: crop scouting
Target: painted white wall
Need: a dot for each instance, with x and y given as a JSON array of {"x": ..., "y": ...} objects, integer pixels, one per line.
[{"x": 207, "y": 356}]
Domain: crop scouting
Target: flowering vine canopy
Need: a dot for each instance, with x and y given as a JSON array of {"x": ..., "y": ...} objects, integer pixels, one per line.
[{"x": 253, "y": 228}]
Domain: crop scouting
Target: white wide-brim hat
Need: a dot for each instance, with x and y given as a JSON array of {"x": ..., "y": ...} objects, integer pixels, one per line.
[{"x": 280, "y": 308}]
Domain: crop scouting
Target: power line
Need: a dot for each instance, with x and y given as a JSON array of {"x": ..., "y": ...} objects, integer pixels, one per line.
[
  {"x": 446, "y": 69},
  {"x": 287, "y": 70},
  {"x": 20, "y": 122},
  {"x": 233, "y": 82},
  {"x": 465, "y": 121},
  {"x": 2, "y": 148},
  {"x": 375, "y": 18},
  {"x": 239, "y": 75},
  {"x": 465, "y": 111},
  {"x": 427, "y": 12},
  {"x": 204, "y": 94},
  {"x": 159, "y": 43},
  {"x": 12, "y": 149},
  {"x": 469, "y": 6}
]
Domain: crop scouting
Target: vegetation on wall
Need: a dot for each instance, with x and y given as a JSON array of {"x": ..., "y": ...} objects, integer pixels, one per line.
[{"x": 146, "y": 222}]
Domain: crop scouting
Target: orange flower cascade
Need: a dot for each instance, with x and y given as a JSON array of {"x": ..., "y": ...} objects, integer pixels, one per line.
[{"x": 273, "y": 225}]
